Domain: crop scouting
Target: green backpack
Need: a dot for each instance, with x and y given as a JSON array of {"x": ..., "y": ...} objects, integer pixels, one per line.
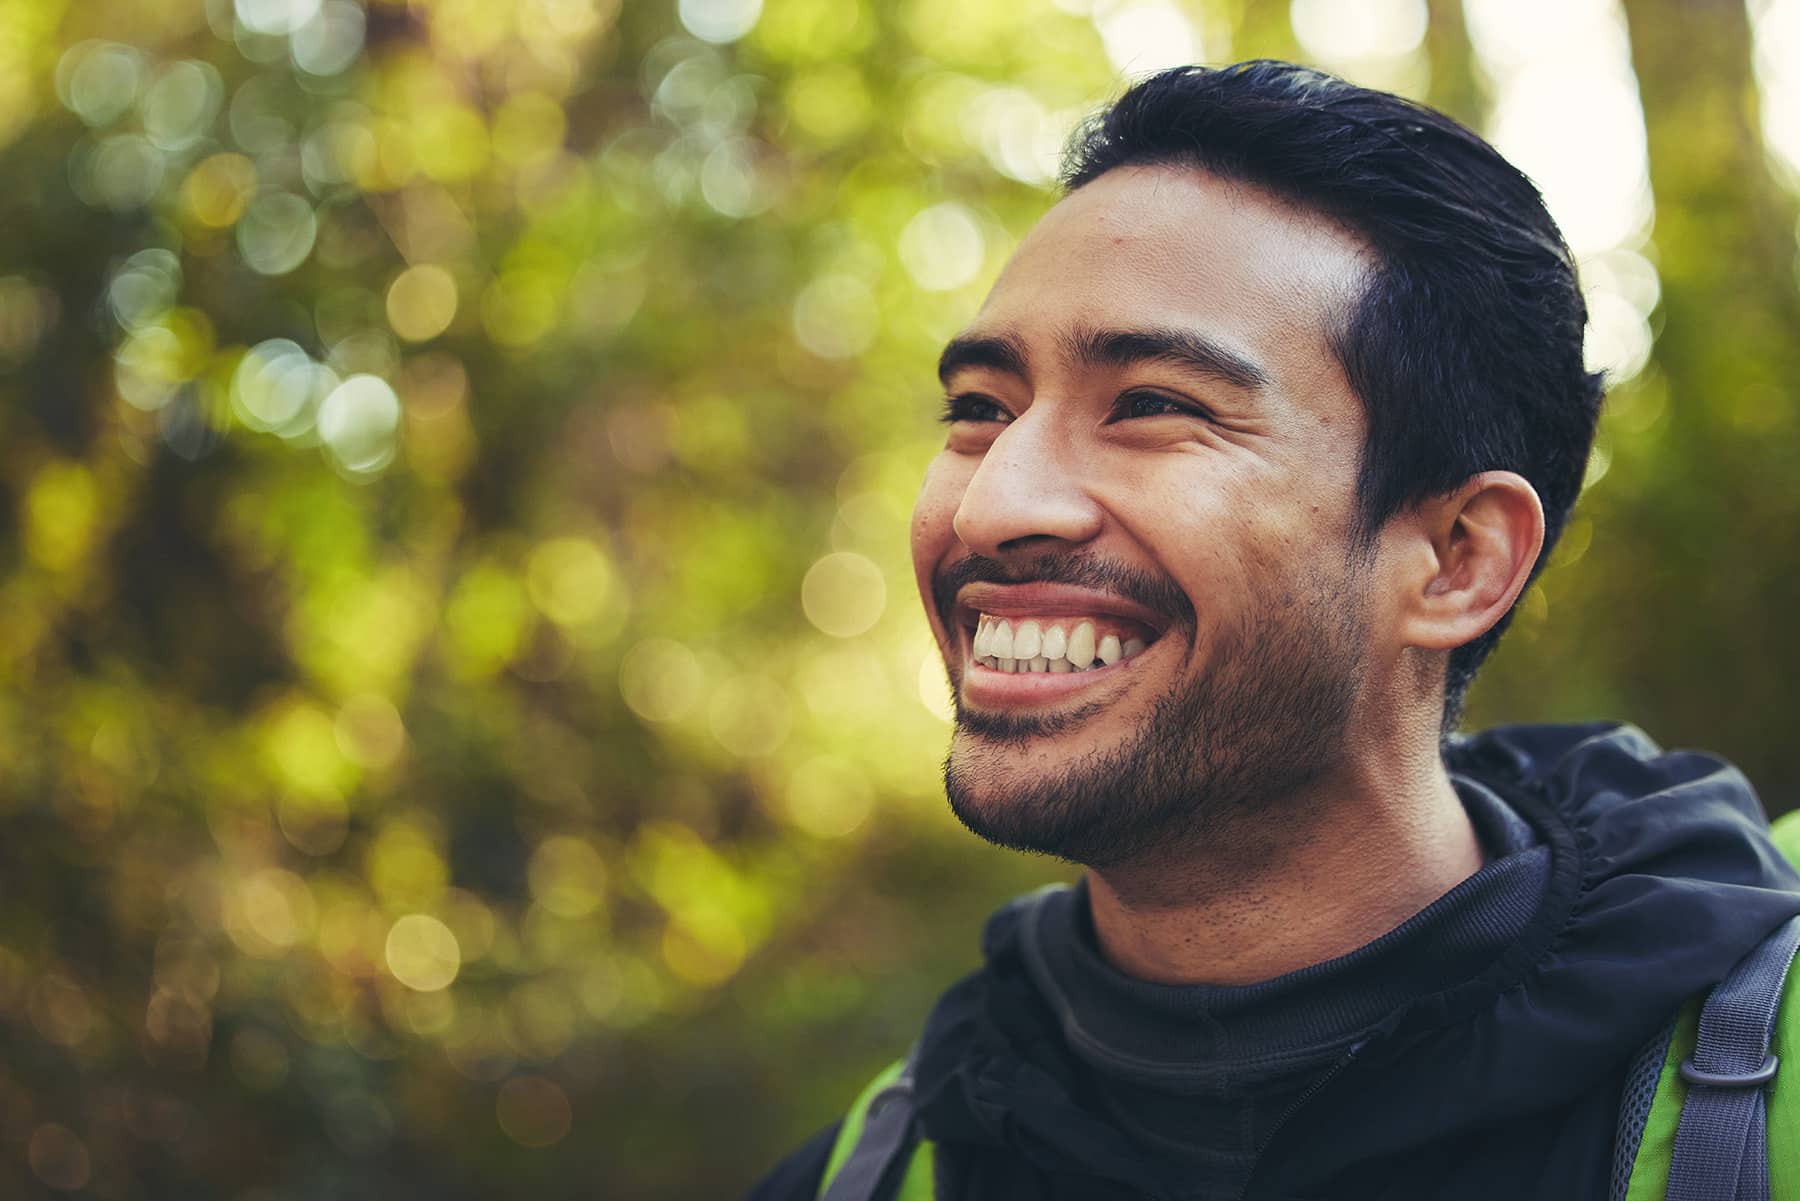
[{"x": 1701, "y": 1117}]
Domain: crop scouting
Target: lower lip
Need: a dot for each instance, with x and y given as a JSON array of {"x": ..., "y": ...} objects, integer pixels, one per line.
[{"x": 989, "y": 687}]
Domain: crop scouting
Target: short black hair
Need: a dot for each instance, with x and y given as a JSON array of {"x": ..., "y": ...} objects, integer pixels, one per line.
[{"x": 1465, "y": 345}]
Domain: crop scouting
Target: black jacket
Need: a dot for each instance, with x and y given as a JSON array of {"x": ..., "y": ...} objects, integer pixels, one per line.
[{"x": 1504, "y": 1086}]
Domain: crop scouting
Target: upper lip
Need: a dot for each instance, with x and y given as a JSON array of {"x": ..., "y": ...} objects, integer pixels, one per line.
[{"x": 1051, "y": 600}]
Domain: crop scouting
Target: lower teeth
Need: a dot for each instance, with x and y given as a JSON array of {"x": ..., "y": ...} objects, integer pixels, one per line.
[{"x": 1038, "y": 665}]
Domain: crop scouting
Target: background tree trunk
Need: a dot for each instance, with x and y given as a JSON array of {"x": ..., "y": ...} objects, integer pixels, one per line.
[{"x": 1719, "y": 569}]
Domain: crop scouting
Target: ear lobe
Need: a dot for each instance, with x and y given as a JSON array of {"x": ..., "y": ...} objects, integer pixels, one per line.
[{"x": 1483, "y": 540}]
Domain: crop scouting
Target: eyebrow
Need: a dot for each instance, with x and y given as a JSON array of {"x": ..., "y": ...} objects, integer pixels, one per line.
[
  {"x": 1178, "y": 347},
  {"x": 1001, "y": 352},
  {"x": 1091, "y": 347}
]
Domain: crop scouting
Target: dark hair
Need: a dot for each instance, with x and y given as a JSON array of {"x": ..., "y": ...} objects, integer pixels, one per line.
[{"x": 1465, "y": 344}]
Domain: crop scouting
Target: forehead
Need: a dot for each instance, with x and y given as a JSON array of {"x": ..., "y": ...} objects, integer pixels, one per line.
[{"x": 1173, "y": 247}]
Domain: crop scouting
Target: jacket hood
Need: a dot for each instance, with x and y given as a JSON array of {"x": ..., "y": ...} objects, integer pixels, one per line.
[{"x": 1662, "y": 877}]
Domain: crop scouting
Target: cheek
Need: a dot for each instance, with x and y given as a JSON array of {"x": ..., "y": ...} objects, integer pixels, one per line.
[
  {"x": 1233, "y": 533},
  {"x": 934, "y": 515},
  {"x": 1200, "y": 518}
]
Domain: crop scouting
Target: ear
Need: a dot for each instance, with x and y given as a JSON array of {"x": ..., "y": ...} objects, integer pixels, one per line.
[{"x": 1471, "y": 551}]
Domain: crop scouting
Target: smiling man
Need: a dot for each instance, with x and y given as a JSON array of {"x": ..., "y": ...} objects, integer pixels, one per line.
[{"x": 1251, "y": 451}]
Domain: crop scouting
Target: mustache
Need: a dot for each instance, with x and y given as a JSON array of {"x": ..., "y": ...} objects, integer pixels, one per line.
[{"x": 1154, "y": 592}]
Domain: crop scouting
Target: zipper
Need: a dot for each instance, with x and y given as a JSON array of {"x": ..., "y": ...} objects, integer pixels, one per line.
[{"x": 1343, "y": 1061}]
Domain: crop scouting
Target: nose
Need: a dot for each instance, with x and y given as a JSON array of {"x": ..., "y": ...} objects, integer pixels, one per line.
[{"x": 1027, "y": 493}]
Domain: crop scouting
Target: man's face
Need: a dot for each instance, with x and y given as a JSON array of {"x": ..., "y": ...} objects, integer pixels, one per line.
[{"x": 1149, "y": 479}]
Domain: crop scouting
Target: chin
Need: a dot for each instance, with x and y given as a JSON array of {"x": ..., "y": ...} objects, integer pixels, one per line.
[
  {"x": 1064, "y": 801},
  {"x": 1229, "y": 746}
]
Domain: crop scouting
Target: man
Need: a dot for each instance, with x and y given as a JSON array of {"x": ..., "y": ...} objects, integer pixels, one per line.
[{"x": 1250, "y": 453}]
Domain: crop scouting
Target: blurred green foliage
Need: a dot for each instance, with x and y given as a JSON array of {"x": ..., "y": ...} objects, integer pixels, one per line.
[{"x": 467, "y": 730}]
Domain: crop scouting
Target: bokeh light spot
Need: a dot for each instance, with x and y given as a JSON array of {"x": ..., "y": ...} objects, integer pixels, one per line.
[
  {"x": 941, "y": 247},
  {"x": 1148, "y": 36},
  {"x": 58, "y": 1158},
  {"x": 314, "y": 823},
  {"x": 278, "y": 388},
  {"x": 98, "y": 81},
  {"x": 1596, "y": 185},
  {"x": 934, "y": 686},
  {"x": 1020, "y": 137},
  {"x": 218, "y": 189},
  {"x": 180, "y": 104},
  {"x": 519, "y": 308},
  {"x": 147, "y": 366},
  {"x": 369, "y": 730},
  {"x": 258, "y": 114},
  {"x": 567, "y": 876},
  {"x": 704, "y": 947},
  {"x": 421, "y": 302},
  {"x": 179, "y": 1027},
  {"x": 661, "y": 680},
  {"x": 160, "y": 354},
  {"x": 1776, "y": 24},
  {"x": 60, "y": 512},
  {"x": 826, "y": 797},
  {"x": 719, "y": 21},
  {"x": 275, "y": 16},
  {"x": 61, "y": 1011},
  {"x": 28, "y": 311},
  {"x": 1618, "y": 337},
  {"x": 732, "y": 180},
  {"x": 529, "y": 127},
  {"x": 538, "y": 1018},
  {"x": 359, "y": 424},
  {"x": 488, "y": 616},
  {"x": 533, "y": 1111},
  {"x": 405, "y": 867},
  {"x": 750, "y": 715},
  {"x": 1337, "y": 30},
  {"x": 843, "y": 594},
  {"x": 327, "y": 42},
  {"x": 269, "y": 911},
  {"x": 450, "y": 142},
  {"x": 422, "y": 953},
  {"x": 831, "y": 102},
  {"x": 470, "y": 919},
  {"x": 571, "y": 581},
  {"x": 835, "y": 317},
  {"x": 144, "y": 286},
  {"x": 119, "y": 172},
  {"x": 301, "y": 747},
  {"x": 276, "y": 233}
]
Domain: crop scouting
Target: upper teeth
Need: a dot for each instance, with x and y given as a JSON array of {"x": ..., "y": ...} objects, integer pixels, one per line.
[{"x": 1032, "y": 646}]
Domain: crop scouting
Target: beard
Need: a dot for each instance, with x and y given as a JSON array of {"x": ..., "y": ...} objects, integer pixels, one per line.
[{"x": 1266, "y": 717}]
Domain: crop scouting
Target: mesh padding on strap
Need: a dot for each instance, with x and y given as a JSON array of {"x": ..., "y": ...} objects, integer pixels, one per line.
[{"x": 1634, "y": 1108}]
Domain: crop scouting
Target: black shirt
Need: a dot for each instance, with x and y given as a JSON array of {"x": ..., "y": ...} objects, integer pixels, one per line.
[{"x": 1201, "y": 1075}]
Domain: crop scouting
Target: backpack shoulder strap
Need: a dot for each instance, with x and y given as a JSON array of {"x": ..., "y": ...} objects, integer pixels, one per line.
[
  {"x": 1704, "y": 1138},
  {"x": 880, "y": 1132},
  {"x": 876, "y": 1134}
]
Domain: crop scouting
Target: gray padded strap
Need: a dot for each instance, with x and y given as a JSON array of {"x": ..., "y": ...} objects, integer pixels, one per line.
[
  {"x": 887, "y": 1134},
  {"x": 1721, "y": 1152}
]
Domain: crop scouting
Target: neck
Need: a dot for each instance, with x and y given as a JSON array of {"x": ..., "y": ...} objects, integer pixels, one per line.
[{"x": 1308, "y": 880}]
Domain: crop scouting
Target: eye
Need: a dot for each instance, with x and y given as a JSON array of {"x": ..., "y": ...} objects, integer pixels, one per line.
[
  {"x": 1155, "y": 404},
  {"x": 972, "y": 406}
]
